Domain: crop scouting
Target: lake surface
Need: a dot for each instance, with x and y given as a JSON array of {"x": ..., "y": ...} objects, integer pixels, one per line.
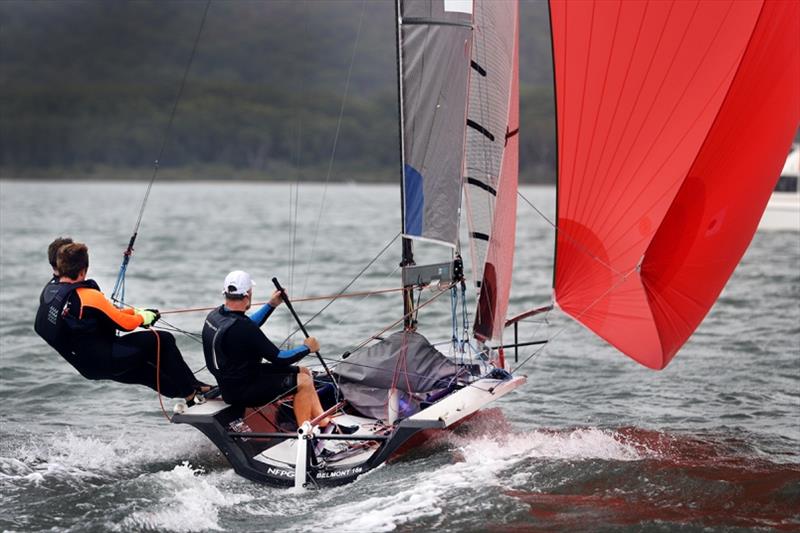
[{"x": 593, "y": 441}]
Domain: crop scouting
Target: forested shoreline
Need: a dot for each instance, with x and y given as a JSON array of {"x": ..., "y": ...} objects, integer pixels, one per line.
[{"x": 88, "y": 88}]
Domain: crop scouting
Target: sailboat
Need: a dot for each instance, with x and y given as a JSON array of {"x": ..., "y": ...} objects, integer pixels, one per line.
[{"x": 660, "y": 189}]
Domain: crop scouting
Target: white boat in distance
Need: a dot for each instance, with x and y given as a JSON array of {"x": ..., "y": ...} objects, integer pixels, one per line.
[{"x": 783, "y": 209}]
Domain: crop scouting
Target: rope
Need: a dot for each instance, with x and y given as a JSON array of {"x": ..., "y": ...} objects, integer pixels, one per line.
[
  {"x": 118, "y": 295},
  {"x": 364, "y": 299},
  {"x": 294, "y": 300},
  {"x": 398, "y": 321},
  {"x": 583, "y": 311},
  {"x": 361, "y": 273},
  {"x": 158, "y": 374},
  {"x": 578, "y": 244}
]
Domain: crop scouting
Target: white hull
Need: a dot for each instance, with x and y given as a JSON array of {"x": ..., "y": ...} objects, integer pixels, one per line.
[{"x": 782, "y": 213}]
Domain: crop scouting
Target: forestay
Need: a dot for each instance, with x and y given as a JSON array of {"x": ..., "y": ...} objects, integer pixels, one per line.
[{"x": 673, "y": 121}]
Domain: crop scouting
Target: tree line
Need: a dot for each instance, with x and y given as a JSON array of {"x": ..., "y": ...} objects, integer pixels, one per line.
[{"x": 88, "y": 87}]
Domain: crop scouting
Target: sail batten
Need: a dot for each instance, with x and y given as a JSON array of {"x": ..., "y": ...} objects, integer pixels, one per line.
[{"x": 671, "y": 132}]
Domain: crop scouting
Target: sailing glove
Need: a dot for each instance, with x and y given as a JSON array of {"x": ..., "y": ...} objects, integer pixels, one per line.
[{"x": 149, "y": 316}]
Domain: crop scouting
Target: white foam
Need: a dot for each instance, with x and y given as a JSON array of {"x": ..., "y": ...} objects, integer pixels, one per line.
[
  {"x": 577, "y": 444},
  {"x": 189, "y": 502},
  {"x": 486, "y": 461},
  {"x": 66, "y": 455}
]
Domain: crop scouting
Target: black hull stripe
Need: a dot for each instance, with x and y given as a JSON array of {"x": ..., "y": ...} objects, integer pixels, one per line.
[
  {"x": 485, "y": 186},
  {"x": 481, "y": 236},
  {"x": 477, "y": 127}
]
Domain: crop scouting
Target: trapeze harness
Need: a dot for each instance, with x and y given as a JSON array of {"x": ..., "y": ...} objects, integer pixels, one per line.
[
  {"x": 53, "y": 321},
  {"x": 234, "y": 347}
]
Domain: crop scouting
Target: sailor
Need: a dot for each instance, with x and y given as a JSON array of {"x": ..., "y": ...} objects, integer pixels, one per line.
[
  {"x": 235, "y": 349},
  {"x": 81, "y": 324},
  {"x": 52, "y": 254}
]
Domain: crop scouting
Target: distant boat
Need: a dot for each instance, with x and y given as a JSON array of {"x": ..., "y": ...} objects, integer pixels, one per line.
[{"x": 783, "y": 209}]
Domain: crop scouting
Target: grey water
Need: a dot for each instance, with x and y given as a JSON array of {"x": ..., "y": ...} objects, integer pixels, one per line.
[{"x": 592, "y": 442}]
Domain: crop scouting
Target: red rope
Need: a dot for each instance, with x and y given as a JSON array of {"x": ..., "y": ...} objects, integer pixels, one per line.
[
  {"x": 158, "y": 374},
  {"x": 294, "y": 300}
]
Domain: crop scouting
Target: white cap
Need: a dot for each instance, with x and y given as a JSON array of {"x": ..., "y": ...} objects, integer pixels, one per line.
[{"x": 237, "y": 283}]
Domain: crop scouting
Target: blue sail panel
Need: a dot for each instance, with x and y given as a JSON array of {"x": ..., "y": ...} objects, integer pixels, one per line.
[{"x": 415, "y": 201}]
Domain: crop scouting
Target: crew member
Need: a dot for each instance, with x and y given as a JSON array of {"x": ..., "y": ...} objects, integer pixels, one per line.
[
  {"x": 81, "y": 324},
  {"x": 52, "y": 253},
  {"x": 52, "y": 256},
  {"x": 235, "y": 347}
]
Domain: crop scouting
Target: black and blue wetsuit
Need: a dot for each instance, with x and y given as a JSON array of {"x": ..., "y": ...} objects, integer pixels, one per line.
[{"x": 235, "y": 349}]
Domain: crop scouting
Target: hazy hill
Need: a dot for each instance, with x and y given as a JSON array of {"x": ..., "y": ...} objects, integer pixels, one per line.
[{"x": 86, "y": 89}]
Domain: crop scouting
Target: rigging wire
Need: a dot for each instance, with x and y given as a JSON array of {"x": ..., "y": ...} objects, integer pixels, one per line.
[
  {"x": 341, "y": 292},
  {"x": 538, "y": 350},
  {"x": 335, "y": 143},
  {"x": 294, "y": 189},
  {"x": 366, "y": 294},
  {"x": 398, "y": 321},
  {"x": 372, "y": 293},
  {"x": 578, "y": 244},
  {"x": 118, "y": 294}
]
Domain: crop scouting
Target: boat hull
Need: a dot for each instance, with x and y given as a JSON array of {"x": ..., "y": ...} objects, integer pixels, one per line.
[{"x": 259, "y": 447}]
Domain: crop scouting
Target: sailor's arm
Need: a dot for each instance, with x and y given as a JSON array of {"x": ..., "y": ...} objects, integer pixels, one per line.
[
  {"x": 261, "y": 316},
  {"x": 125, "y": 320},
  {"x": 271, "y": 353}
]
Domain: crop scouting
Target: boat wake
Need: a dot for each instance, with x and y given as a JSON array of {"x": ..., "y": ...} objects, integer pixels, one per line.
[
  {"x": 184, "y": 499},
  {"x": 67, "y": 457},
  {"x": 483, "y": 456},
  {"x": 549, "y": 478}
]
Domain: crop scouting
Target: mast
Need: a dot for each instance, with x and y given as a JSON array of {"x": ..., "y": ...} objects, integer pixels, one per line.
[{"x": 407, "y": 247}]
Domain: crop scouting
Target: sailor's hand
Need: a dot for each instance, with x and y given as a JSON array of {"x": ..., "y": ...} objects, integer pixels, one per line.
[
  {"x": 276, "y": 299},
  {"x": 158, "y": 315},
  {"x": 149, "y": 316},
  {"x": 312, "y": 343}
]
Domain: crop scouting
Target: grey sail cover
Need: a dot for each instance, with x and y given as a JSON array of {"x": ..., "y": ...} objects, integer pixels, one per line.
[
  {"x": 435, "y": 47},
  {"x": 406, "y": 361}
]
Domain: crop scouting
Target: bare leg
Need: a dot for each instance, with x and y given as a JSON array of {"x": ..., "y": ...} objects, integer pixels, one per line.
[
  {"x": 303, "y": 403},
  {"x": 306, "y": 402}
]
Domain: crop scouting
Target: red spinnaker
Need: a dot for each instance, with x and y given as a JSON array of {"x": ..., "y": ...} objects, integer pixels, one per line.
[{"x": 674, "y": 119}]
